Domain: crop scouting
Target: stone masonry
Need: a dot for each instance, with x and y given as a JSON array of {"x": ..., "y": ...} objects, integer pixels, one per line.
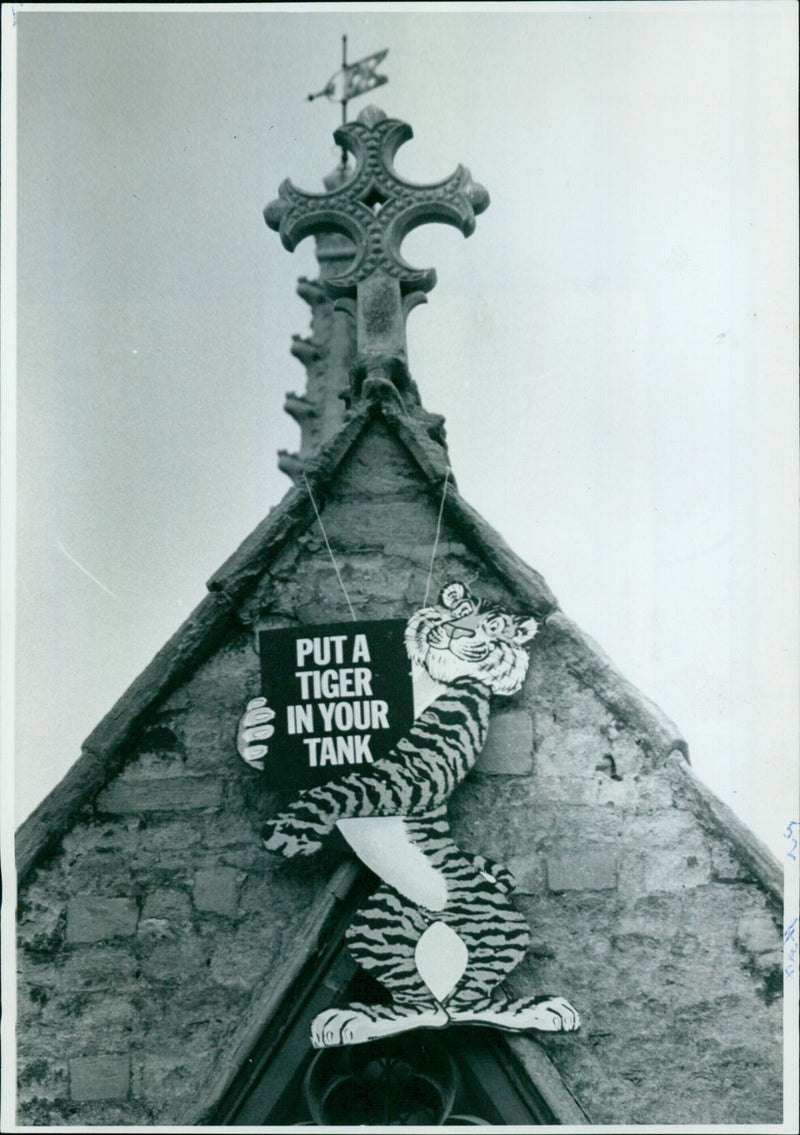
[{"x": 145, "y": 937}]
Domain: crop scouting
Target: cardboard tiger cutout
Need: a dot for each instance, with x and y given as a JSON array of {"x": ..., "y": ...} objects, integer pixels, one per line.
[{"x": 440, "y": 933}]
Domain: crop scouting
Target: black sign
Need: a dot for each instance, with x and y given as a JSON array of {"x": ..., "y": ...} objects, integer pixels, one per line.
[{"x": 342, "y": 698}]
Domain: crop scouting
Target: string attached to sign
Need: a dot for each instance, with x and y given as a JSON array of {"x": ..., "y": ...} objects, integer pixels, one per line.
[
  {"x": 333, "y": 558},
  {"x": 327, "y": 545},
  {"x": 436, "y": 540}
]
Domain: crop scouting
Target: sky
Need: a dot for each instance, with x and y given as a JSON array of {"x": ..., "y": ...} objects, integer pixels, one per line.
[{"x": 614, "y": 349}]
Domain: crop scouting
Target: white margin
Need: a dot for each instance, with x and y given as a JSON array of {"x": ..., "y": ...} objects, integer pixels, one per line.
[{"x": 8, "y": 546}]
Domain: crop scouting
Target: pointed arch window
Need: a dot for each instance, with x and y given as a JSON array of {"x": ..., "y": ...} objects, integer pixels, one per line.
[{"x": 459, "y": 1075}]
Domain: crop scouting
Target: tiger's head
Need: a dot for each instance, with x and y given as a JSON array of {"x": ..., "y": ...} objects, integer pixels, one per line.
[{"x": 461, "y": 637}]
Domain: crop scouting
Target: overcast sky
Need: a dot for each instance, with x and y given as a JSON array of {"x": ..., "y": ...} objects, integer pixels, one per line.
[{"x": 614, "y": 349}]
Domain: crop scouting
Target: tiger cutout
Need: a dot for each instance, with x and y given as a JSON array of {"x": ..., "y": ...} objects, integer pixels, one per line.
[{"x": 440, "y": 933}]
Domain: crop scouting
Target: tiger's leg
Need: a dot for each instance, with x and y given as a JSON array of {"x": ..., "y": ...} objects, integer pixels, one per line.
[
  {"x": 496, "y": 936},
  {"x": 382, "y": 939}
]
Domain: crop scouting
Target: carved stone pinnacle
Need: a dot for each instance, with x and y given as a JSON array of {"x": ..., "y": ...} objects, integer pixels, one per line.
[{"x": 376, "y": 209}]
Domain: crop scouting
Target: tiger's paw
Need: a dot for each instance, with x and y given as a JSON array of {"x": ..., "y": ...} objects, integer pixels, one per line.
[
  {"x": 546, "y": 1013},
  {"x": 359, "y": 1023},
  {"x": 254, "y": 731},
  {"x": 287, "y": 839}
]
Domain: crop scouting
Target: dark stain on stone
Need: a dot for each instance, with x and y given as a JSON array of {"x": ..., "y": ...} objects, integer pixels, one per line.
[{"x": 158, "y": 739}]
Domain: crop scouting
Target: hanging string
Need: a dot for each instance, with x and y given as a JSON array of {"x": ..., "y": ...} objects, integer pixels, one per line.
[
  {"x": 327, "y": 545},
  {"x": 436, "y": 541}
]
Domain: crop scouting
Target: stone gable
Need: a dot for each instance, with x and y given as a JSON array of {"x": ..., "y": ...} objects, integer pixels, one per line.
[{"x": 156, "y": 935}]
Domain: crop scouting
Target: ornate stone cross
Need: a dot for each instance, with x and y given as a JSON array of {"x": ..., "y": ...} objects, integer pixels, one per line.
[{"x": 376, "y": 209}]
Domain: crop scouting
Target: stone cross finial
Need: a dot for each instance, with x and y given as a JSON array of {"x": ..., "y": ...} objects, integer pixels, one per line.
[{"x": 376, "y": 209}]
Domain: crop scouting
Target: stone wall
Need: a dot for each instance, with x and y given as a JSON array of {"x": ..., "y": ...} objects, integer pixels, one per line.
[
  {"x": 644, "y": 918},
  {"x": 143, "y": 940},
  {"x": 147, "y": 936}
]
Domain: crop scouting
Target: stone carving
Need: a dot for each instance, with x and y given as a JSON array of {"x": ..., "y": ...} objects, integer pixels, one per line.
[{"x": 376, "y": 209}]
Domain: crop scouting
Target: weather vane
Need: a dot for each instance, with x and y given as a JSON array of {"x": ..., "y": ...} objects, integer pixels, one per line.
[{"x": 352, "y": 80}]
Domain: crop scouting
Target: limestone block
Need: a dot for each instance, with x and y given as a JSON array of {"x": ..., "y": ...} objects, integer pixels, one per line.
[
  {"x": 228, "y": 830},
  {"x": 178, "y": 794},
  {"x": 758, "y": 936},
  {"x": 528, "y": 872},
  {"x": 757, "y": 933},
  {"x": 244, "y": 859},
  {"x": 40, "y": 921},
  {"x": 670, "y": 828},
  {"x": 566, "y": 789},
  {"x": 29, "y": 1001},
  {"x": 216, "y": 685},
  {"x": 169, "y": 868},
  {"x": 41, "y": 1080},
  {"x": 168, "y": 903},
  {"x": 654, "y": 791},
  {"x": 333, "y": 607},
  {"x": 125, "y": 1114},
  {"x": 377, "y": 466},
  {"x": 564, "y": 702},
  {"x": 180, "y": 960},
  {"x": 623, "y": 793},
  {"x": 170, "y": 834},
  {"x": 509, "y": 745},
  {"x": 726, "y": 868},
  {"x": 155, "y": 930},
  {"x": 216, "y": 889},
  {"x": 351, "y": 525},
  {"x": 100, "y": 873},
  {"x": 500, "y": 816},
  {"x": 92, "y": 918},
  {"x": 210, "y": 747},
  {"x": 163, "y": 1077},
  {"x": 239, "y": 964},
  {"x": 163, "y": 765},
  {"x": 189, "y": 1012},
  {"x": 99, "y": 1077},
  {"x": 582, "y": 869},
  {"x": 678, "y": 867},
  {"x": 685, "y": 945},
  {"x": 584, "y": 826},
  {"x": 570, "y": 750},
  {"x": 42, "y": 1113},
  {"x": 99, "y": 967},
  {"x": 77, "y": 1017},
  {"x": 121, "y": 836},
  {"x": 652, "y": 914},
  {"x": 665, "y": 851},
  {"x": 380, "y": 587},
  {"x": 421, "y": 553}
]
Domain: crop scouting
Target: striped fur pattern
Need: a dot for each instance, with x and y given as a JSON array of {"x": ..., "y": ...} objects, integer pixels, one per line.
[
  {"x": 416, "y": 779},
  {"x": 385, "y": 933},
  {"x": 470, "y": 651}
]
